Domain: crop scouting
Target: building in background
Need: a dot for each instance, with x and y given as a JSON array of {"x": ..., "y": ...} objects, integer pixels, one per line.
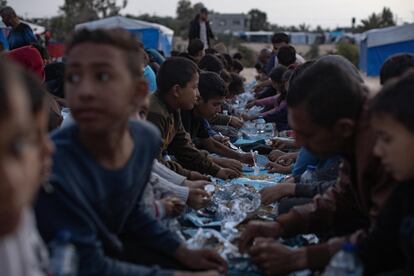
[{"x": 223, "y": 23}]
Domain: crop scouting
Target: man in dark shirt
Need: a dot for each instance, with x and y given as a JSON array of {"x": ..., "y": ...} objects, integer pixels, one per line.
[
  {"x": 200, "y": 28},
  {"x": 21, "y": 34}
]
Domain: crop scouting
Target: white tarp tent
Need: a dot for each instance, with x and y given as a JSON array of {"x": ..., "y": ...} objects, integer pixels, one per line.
[{"x": 152, "y": 35}]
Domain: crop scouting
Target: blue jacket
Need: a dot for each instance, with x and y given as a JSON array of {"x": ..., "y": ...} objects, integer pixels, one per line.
[
  {"x": 21, "y": 36},
  {"x": 97, "y": 205}
]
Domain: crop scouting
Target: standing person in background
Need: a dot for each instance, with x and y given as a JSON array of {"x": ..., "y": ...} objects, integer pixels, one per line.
[
  {"x": 200, "y": 28},
  {"x": 21, "y": 34}
]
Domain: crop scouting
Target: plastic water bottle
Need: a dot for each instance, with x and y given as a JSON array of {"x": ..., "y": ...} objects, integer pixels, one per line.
[
  {"x": 260, "y": 125},
  {"x": 345, "y": 262},
  {"x": 308, "y": 175},
  {"x": 63, "y": 256}
]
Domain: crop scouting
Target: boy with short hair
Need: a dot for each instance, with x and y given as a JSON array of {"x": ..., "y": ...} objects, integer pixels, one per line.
[
  {"x": 286, "y": 55},
  {"x": 237, "y": 66},
  {"x": 212, "y": 95},
  {"x": 178, "y": 90},
  {"x": 195, "y": 50},
  {"x": 395, "y": 66},
  {"x": 390, "y": 246},
  {"x": 102, "y": 164}
]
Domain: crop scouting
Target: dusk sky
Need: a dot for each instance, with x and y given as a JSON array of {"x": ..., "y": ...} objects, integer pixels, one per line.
[{"x": 327, "y": 13}]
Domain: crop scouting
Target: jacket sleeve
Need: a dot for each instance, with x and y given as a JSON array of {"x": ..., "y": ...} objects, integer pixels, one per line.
[
  {"x": 268, "y": 101},
  {"x": 163, "y": 187},
  {"x": 380, "y": 250},
  {"x": 29, "y": 36},
  {"x": 168, "y": 174},
  {"x": 209, "y": 30},
  {"x": 326, "y": 212},
  {"x": 277, "y": 115},
  {"x": 190, "y": 157},
  {"x": 192, "y": 34},
  {"x": 161, "y": 123},
  {"x": 313, "y": 189},
  {"x": 56, "y": 210},
  {"x": 151, "y": 232}
]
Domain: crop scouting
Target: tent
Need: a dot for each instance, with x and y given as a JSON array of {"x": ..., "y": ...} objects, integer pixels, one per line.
[
  {"x": 379, "y": 44},
  {"x": 152, "y": 35}
]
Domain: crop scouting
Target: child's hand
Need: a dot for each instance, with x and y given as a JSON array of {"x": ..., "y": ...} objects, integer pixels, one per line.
[
  {"x": 233, "y": 164},
  {"x": 275, "y": 193},
  {"x": 275, "y": 154},
  {"x": 286, "y": 160},
  {"x": 221, "y": 139},
  {"x": 198, "y": 176},
  {"x": 172, "y": 206},
  {"x": 274, "y": 167},
  {"x": 235, "y": 122},
  {"x": 198, "y": 184},
  {"x": 247, "y": 158},
  {"x": 245, "y": 117},
  {"x": 224, "y": 173},
  {"x": 198, "y": 198}
]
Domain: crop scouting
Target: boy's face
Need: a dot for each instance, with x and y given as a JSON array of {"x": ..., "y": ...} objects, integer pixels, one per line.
[
  {"x": 277, "y": 46},
  {"x": 209, "y": 109},
  {"x": 100, "y": 89},
  {"x": 204, "y": 16},
  {"x": 19, "y": 151},
  {"x": 187, "y": 96},
  {"x": 7, "y": 19},
  {"x": 395, "y": 146},
  {"x": 321, "y": 141}
]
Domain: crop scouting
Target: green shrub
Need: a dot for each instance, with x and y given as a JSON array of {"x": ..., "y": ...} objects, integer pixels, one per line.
[{"x": 349, "y": 51}]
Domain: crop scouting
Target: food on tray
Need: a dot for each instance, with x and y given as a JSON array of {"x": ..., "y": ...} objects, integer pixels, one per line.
[{"x": 258, "y": 177}]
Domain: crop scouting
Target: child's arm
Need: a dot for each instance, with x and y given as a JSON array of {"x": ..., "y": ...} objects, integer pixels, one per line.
[
  {"x": 191, "y": 158},
  {"x": 168, "y": 174},
  {"x": 213, "y": 146},
  {"x": 60, "y": 210},
  {"x": 163, "y": 186}
]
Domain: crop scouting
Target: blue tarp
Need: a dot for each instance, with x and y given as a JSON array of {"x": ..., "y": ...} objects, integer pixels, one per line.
[
  {"x": 3, "y": 39},
  {"x": 379, "y": 44}
]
